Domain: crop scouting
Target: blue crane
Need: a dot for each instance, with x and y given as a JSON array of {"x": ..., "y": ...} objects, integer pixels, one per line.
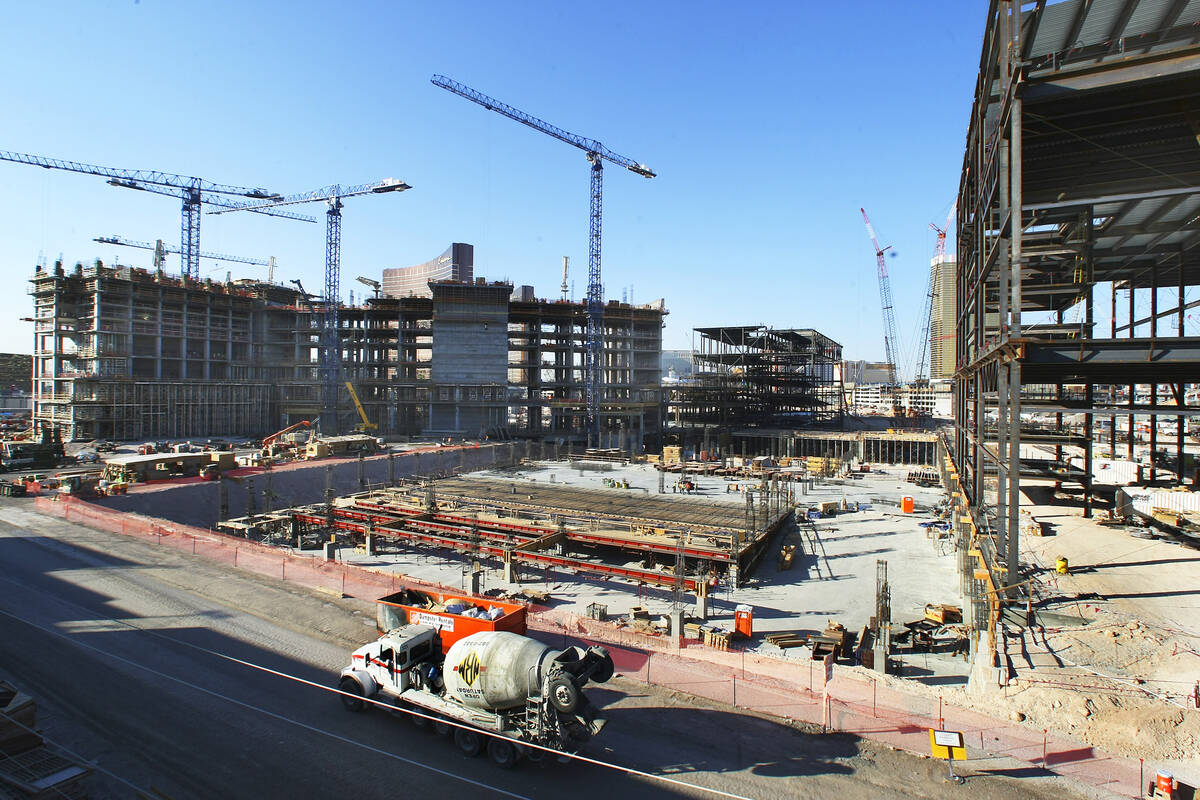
[
  {"x": 160, "y": 251},
  {"x": 596, "y": 155},
  {"x": 193, "y": 191},
  {"x": 329, "y": 348}
]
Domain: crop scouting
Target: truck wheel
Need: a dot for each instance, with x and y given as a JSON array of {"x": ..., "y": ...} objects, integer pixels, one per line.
[
  {"x": 563, "y": 695},
  {"x": 351, "y": 687},
  {"x": 467, "y": 741},
  {"x": 418, "y": 721},
  {"x": 441, "y": 728},
  {"x": 502, "y": 753}
]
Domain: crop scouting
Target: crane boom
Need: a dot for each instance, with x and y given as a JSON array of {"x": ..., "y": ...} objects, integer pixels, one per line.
[
  {"x": 582, "y": 142},
  {"x": 885, "y": 301},
  {"x": 191, "y": 190},
  {"x": 596, "y": 154},
  {"x": 117, "y": 240}
]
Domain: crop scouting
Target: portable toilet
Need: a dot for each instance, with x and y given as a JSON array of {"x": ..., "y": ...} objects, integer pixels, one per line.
[
  {"x": 743, "y": 620},
  {"x": 907, "y": 504}
]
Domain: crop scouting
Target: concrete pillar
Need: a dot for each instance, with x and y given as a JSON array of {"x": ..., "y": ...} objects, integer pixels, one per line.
[
  {"x": 331, "y": 549},
  {"x": 369, "y": 543}
]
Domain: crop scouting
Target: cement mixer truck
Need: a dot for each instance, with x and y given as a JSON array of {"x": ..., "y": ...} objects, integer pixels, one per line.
[{"x": 509, "y": 685}]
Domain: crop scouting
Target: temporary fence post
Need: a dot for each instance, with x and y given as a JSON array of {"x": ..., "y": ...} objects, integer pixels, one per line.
[
  {"x": 1141, "y": 774},
  {"x": 874, "y": 691},
  {"x": 735, "y": 690},
  {"x": 235, "y": 556},
  {"x": 941, "y": 719},
  {"x": 283, "y": 564},
  {"x": 343, "y": 582},
  {"x": 1044, "y": 732},
  {"x": 193, "y": 545}
]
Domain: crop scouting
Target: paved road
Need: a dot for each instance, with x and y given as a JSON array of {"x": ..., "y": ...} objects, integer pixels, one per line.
[{"x": 117, "y": 639}]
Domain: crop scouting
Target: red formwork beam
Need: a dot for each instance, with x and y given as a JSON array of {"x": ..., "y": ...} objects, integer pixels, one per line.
[
  {"x": 545, "y": 559},
  {"x": 711, "y": 555}
]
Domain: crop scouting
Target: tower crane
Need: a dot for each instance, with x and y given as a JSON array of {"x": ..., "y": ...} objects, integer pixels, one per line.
[
  {"x": 596, "y": 155},
  {"x": 330, "y": 347},
  {"x": 939, "y": 257},
  {"x": 885, "y": 300},
  {"x": 193, "y": 191},
  {"x": 161, "y": 250}
]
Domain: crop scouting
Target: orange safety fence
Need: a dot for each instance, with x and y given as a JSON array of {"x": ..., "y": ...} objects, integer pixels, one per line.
[{"x": 858, "y": 702}]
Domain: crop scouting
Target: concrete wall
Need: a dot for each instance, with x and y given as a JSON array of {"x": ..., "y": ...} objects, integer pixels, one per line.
[{"x": 199, "y": 503}]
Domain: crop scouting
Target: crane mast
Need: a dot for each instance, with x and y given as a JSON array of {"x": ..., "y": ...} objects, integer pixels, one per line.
[
  {"x": 329, "y": 343},
  {"x": 596, "y": 154},
  {"x": 885, "y": 301},
  {"x": 193, "y": 191}
]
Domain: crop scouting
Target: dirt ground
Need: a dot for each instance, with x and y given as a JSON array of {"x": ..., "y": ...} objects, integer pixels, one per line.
[{"x": 1115, "y": 659}]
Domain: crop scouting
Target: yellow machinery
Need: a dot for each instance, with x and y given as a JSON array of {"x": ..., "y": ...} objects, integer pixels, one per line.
[{"x": 366, "y": 423}]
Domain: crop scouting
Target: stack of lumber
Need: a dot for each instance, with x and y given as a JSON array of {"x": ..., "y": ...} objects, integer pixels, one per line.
[
  {"x": 786, "y": 640},
  {"x": 787, "y": 555}
]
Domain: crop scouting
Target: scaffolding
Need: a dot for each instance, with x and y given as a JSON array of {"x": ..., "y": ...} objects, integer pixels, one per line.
[{"x": 1076, "y": 247}]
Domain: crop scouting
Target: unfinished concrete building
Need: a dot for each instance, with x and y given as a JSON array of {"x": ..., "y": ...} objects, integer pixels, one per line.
[
  {"x": 1076, "y": 251},
  {"x": 123, "y": 353}
]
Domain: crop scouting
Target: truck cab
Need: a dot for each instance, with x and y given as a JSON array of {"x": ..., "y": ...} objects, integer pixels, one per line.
[{"x": 387, "y": 665}]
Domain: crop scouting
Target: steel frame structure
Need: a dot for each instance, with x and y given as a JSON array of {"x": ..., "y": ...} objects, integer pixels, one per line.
[{"x": 1081, "y": 179}]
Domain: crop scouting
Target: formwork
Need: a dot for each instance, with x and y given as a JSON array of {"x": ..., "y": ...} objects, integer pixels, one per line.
[
  {"x": 1076, "y": 248},
  {"x": 679, "y": 543}
]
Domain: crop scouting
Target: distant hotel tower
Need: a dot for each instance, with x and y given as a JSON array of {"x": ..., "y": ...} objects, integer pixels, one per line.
[{"x": 456, "y": 264}]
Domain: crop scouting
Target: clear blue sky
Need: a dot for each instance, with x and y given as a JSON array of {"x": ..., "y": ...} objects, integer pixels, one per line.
[{"x": 769, "y": 125}]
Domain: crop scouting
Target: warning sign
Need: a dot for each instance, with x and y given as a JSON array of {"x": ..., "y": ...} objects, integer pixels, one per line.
[{"x": 947, "y": 744}]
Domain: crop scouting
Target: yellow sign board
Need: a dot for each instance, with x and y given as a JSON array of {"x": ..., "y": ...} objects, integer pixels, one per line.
[{"x": 947, "y": 744}]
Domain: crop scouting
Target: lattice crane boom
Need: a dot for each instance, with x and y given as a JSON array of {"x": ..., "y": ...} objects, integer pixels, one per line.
[
  {"x": 885, "y": 302},
  {"x": 193, "y": 191},
  {"x": 117, "y": 240},
  {"x": 596, "y": 154},
  {"x": 330, "y": 344}
]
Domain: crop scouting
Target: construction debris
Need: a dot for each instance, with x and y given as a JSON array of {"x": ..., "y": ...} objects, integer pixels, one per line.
[{"x": 27, "y": 767}]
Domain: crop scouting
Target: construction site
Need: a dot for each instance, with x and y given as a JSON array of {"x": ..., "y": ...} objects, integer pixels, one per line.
[{"x": 1021, "y": 577}]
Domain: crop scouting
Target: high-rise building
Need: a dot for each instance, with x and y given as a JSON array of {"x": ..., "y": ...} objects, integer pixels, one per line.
[
  {"x": 941, "y": 321},
  {"x": 456, "y": 264}
]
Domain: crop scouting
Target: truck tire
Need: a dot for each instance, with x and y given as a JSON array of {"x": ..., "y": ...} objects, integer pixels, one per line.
[
  {"x": 563, "y": 695},
  {"x": 604, "y": 670},
  {"x": 417, "y": 719},
  {"x": 502, "y": 753},
  {"x": 468, "y": 741},
  {"x": 441, "y": 727},
  {"x": 351, "y": 687}
]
